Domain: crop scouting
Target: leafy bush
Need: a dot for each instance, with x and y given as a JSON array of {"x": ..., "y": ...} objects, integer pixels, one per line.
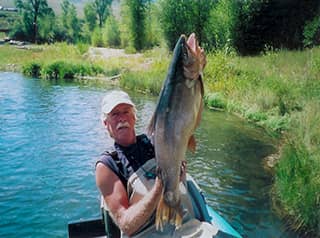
[
  {"x": 112, "y": 32},
  {"x": 184, "y": 17},
  {"x": 215, "y": 100},
  {"x": 83, "y": 48},
  {"x": 65, "y": 70},
  {"x": 219, "y": 28},
  {"x": 311, "y": 32},
  {"x": 221, "y": 74},
  {"x": 96, "y": 38},
  {"x": 32, "y": 69}
]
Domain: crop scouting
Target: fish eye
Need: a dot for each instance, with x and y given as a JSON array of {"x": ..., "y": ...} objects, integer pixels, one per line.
[{"x": 185, "y": 54}]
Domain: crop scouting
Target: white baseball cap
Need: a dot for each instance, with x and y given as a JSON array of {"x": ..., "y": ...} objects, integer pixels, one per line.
[{"x": 113, "y": 99}]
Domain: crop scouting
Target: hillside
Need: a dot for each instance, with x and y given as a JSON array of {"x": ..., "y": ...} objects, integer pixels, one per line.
[
  {"x": 52, "y": 3},
  {"x": 56, "y": 5}
]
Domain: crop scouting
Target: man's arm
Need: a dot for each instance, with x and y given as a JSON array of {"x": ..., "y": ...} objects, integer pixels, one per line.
[{"x": 129, "y": 218}]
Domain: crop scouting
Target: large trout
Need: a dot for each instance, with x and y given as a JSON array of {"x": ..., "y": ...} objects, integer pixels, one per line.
[{"x": 176, "y": 117}]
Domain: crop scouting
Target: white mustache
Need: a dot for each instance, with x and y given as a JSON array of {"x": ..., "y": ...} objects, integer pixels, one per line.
[{"x": 123, "y": 124}]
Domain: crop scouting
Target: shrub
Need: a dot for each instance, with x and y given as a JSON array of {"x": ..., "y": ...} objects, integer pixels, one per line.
[
  {"x": 97, "y": 39},
  {"x": 32, "y": 69},
  {"x": 215, "y": 100},
  {"x": 83, "y": 48},
  {"x": 311, "y": 32},
  {"x": 65, "y": 70},
  {"x": 112, "y": 32}
]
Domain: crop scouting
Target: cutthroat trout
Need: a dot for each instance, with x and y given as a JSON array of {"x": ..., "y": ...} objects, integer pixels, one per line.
[{"x": 175, "y": 119}]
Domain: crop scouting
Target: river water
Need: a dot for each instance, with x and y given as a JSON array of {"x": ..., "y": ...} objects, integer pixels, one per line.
[{"x": 51, "y": 135}]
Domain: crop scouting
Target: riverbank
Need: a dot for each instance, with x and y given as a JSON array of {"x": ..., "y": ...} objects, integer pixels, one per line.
[{"x": 279, "y": 91}]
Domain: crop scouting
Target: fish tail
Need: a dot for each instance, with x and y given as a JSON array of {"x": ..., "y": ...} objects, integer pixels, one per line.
[
  {"x": 178, "y": 220},
  {"x": 166, "y": 214}
]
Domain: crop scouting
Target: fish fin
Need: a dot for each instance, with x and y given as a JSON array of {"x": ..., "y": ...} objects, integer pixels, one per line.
[
  {"x": 162, "y": 214},
  {"x": 192, "y": 144},
  {"x": 199, "y": 114},
  {"x": 165, "y": 214},
  {"x": 151, "y": 125},
  {"x": 178, "y": 220}
]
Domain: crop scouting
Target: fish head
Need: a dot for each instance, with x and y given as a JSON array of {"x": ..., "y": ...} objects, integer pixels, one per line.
[{"x": 193, "y": 58}]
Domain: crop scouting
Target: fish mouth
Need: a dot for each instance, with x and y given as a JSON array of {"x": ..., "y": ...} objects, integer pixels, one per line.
[
  {"x": 171, "y": 199},
  {"x": 194, "y": 58},
  {"x": 192, "y": 43}
]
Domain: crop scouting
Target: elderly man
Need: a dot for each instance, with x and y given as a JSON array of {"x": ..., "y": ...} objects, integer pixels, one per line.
[{"x": 126, "y": 176}]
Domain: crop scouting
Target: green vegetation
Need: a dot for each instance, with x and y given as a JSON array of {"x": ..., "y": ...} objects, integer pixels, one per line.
[
  {"x": 297, "y": 183},
  {"x": 247, "y": 26},
  {"x": 40, "y": 61},
  {"x": 280, "y": 91}
]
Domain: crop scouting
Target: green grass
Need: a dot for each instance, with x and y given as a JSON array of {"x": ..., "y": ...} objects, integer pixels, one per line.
[{"x": 281, "y": 92}]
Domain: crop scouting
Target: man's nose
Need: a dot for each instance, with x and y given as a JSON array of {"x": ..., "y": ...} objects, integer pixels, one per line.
[{"x": 121, "y": 117}]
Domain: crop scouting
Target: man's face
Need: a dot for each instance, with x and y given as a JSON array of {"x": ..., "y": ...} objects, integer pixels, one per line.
[{"x": 120, "y": 124}]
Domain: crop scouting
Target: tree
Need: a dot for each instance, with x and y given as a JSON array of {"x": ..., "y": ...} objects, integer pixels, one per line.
[
  {"x": 65, "y": 7},
  {"x": 184, "y": 17},
  {"x": 279, "y": 24},
  {"x": 70, "y": 21},
  {"x": 103, "y": 10},
  {"x": 137, "y": 11},
  {"x": 90, "y": 16},
  {"x": 31, "y": 11},
  {"x": 112, "y": 32},
  {"x": 219, "y": 27}
]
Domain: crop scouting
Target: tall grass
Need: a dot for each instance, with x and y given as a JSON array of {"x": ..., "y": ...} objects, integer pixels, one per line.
[
  {"x": 267, "y": 88},
  {"x": 148, "y": 78},
  {"x": 297, "y": 181},
  {"x": 280, "y": 91}
]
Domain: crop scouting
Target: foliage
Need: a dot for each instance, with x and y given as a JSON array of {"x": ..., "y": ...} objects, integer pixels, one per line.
[
  {"x": 102, "y": 8},
  {"x": 311, "y": 32},
  {"x": 90, "y": 16},
  {"x": 83, "y": 48},
  {"x": 297, "y": 182},
  {"x": 70, "y": 21},
  {"x": 139, "y": 25},
  {"x": 184, "y": 17},
  {"x": 137, "y": 15},
  {"x": 112, "y": 32},
  {"x": 215, "y": 100},
  {"x": 47, "y": 28},
  {"x": 96, "y": 38},
  {"x": 220, "y": 76},
  {"x": 32, "y": 69},
  {"x": 153, "y": 31},
  {"x": 150, "y": 79},
  {"x": 275, "y": 23},
  {"x": 220, "y": 26},
  {"x": 66, "y": 70},
  {"x": 124, "y": 26},
  {"x": 32, "y": 12}
]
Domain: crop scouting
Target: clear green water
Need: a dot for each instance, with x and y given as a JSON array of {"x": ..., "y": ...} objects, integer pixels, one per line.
[{"x": 51, "y": 135}]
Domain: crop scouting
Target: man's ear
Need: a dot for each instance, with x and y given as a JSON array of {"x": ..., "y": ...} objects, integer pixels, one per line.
[
  {"x": 105, "y": 122},
  {"x": 108, "y": 127}
]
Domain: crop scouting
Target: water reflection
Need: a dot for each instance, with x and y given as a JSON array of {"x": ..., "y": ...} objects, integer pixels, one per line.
[{"x": 228, "y": 166}]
